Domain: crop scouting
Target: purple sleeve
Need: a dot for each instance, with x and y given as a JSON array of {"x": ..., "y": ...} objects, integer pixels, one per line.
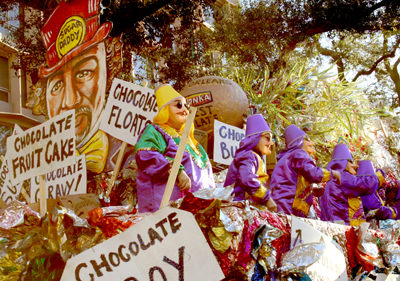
[
  {"x": 358, "y": 185},
  {"x": 304, "y": 165},
  {"x": 248, "y": 176},
  {"x": 382, "y": 192},
  {"x": 153, "y": 163},
  {"x": 385, "y": 213}
]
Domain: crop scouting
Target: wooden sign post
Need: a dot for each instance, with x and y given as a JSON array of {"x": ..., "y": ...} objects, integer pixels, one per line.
[
  {"x": 116, "y": 168},
  {"x": 43, "y": 196},
  {"x": 178, "y": 158}
]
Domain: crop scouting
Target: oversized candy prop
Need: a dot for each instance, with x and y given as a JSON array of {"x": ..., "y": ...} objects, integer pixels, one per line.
[{"x": 215, "y": 98}]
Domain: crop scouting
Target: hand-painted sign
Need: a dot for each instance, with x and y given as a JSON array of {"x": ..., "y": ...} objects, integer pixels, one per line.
[
  {"x": 331, "y": 266},
  {"x": 129, "y": 109},
  {"x": 167, "y": 245},
  {"x": 40, "y": 149},
  {"x": 63, "y": 181},
  {"x": 226, "y": 141},
  {"x": 8, "y": 192}
]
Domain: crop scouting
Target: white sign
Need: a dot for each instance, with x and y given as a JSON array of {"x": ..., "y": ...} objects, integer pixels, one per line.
[
  {"x": 384, "y": 277},
  {"x": 226, "y": 142},
  {"x": 129, "y": 109},
  {"x": 331, "y": 265},
  {"x": 63, "y": 181},
  {"x": 43, "y": 148},
  {"x": 167, "y": 245},
  {"x": 8, "y": 192}
]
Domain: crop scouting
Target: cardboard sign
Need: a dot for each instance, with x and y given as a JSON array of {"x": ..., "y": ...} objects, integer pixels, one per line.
[
  {"x": 81, "y": 204},
  {"x": 331, "y": 265},
  {"x": 63, "y": 181},
  {"x": 167, "y": 245},
  {"x": 201, "y": 137},
  {"x": 8, "y": 192},
  {"x": 129, "y": 109},
  {"x": 384, "y": 277},
  {"x": 43, "y": 148},
  {"x": 226, "y": 142}
]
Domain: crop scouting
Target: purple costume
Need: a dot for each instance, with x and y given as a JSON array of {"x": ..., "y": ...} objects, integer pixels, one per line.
[
  {"x": 342, "y": 202},
  {"x": 243, "y": 173},
  {"x": 292, "y": 178},
  {"x": 156, "y": 150},
  {"x": 374, "y": 201}
]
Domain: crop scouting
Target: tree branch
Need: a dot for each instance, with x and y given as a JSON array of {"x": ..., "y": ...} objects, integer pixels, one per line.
[
  {"x": 372, "y": 69},
  {"x": 336, "y": 56}
]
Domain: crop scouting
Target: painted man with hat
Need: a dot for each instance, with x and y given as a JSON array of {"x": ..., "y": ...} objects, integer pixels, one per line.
[
  {"x": 247, "y": 171},
  {"x": 341, "y": 202},
  {"x": 374, "y": 205},
  {"x": 81, "y": 62},
  {"x": 156, "y": 149},
  {"x": 294, "y": 173}
]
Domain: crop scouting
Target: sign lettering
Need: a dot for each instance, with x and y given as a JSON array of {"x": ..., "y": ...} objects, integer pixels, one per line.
[
  {"x": 167, "y": 245},
  {"x": 129, "y": 109},
  {"x": 226, "y": 141},
  {"x": 63, "y": 181},
  {"x": 38, "y": 150}
]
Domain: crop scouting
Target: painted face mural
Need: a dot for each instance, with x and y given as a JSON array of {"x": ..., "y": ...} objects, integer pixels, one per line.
[
  {"x": 81, "y": 63},
  {"x": 80, "y": 84}
]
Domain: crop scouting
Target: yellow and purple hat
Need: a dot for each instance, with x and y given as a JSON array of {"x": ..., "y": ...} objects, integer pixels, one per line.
[
  {"x": 165, "y": 94},
  {"x": 72, "y": 27}
]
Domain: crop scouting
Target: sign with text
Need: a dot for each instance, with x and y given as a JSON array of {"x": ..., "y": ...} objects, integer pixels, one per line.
[
  {"x": 331, "y": 266},
  {"x": 8, "y": 192},
  {"x": 226, "y": 141},
  {"x": 129, "y": 109},
  {"x": 167, "y": 245},
  {"x": 63, "y": 181},
  {"x": 43, "y": 148}
]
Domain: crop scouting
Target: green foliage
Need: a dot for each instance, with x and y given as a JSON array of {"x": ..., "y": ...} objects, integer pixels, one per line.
[
  {"x": 263, "y": 33},
  {"x": 330, "y": 110},
  {"x": 259, "y": 33}
]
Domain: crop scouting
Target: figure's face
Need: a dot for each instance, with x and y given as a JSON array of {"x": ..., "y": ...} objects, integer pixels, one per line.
[
  {"x": 265, "y": 143},
  {"x": 80, "y": 84},
  {"x": 351, "y": 168},
  {"x": 308, "y": 145},
  {"x": 178, "y": 113}
]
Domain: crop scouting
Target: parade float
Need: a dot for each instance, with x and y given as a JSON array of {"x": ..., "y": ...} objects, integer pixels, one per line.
[{"x": 68, "y": 186}]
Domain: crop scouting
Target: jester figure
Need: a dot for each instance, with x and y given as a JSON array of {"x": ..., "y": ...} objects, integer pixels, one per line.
[
  {"x": 295, "y": 172},
  {"x": 341, "y": 202},
  {"x": 156, "y": 150},
  {"x": 247, "y": 171},
  {"x": 374, "y": 204}
]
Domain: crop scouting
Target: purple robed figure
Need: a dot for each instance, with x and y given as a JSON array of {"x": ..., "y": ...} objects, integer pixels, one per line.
[
  {"x": 247, "y": 170},
  {"x": 341, "y": 201},
  {"x": 156, "y": 150},
  {"x": 294, "y": 173},
  {"x": 374, "y": 202}
]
